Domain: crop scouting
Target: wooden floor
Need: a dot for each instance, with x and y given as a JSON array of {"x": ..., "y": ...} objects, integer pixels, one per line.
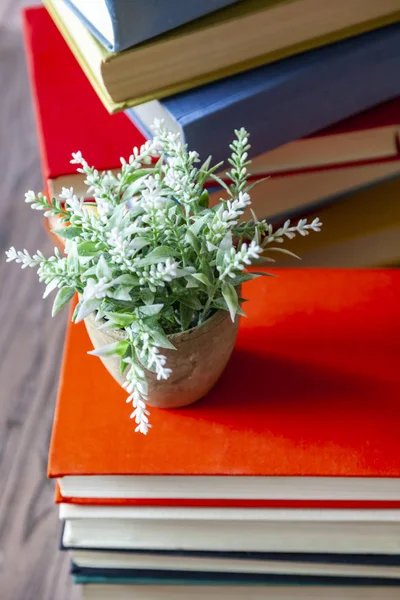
[{"x": 31, "y": 567}]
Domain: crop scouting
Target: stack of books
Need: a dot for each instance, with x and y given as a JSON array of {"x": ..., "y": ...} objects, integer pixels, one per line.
[
  {"x": 314, "y": 82},
  {"x": 282, "y": 483}
]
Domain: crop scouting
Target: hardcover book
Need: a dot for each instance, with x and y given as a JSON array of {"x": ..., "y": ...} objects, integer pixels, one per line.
[
  {"x": 286, "y": 100},
  {"x": 119, "y": 24},
  {"x": 81, "y": 122},
  {"x": 130, "y": 562},
  {"x": 116, "y": 591},
  {"x": 370, "y": 135},
  {"x": 324, "y": 427},
  {"x": 239, "y": 37}
]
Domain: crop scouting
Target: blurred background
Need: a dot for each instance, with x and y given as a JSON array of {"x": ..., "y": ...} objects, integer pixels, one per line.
[{"x": 31, "y": 347}]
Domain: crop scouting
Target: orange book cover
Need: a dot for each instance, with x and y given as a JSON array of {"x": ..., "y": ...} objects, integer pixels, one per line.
[{"x": 312, "y": 388}]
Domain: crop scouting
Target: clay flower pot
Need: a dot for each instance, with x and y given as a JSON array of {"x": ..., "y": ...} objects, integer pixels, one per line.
[{"x": 200, "y": 357}]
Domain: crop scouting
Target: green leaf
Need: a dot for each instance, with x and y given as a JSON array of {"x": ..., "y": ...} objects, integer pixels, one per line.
[
  {"x": 86, "y": 307},
  {"x": 139, "y": 242},
  {"x": 243, "y": 277},
  {"x": 191, "y": 283},
  {"x": 263, "y": 274},
  {"x": 257, "y": 182},
  {"x": 221, "y": 183},
  {"x": 155, "y": 256},
  {"x": 122, "y": 293},
  {"x": 64, "y": 295},
  {"x": 202, "y": 278},
  {"x": 114, "y": 349},
  {"x": 207, "y": 270},
  {"x": 230, "y": 296},
  {"x": 263, "y": 260},
  {"x": 199, "y": 223},
  {"x": 122, "y": 365},
  {"x": 69, "y": 233},
  {"x": 240, "y": 311},
  {"x": 138, "y": 174},
  {"x": 102, "y": 268},
  {"x": 224, "y": 247},
  {"x": 150, "y": 310},
  {"x": 134, "y": 183},
  {"x": 191, "y": 301},
  {"x": 76, "y": 310},
  {"x": 161, "y": 340},
  {"x": 282, "y": 251},
  {"x": 193, "y": 240},
  {"x": 51, "y": 286},
  {"x": 126, "y": 279},
  {"x": 87, "y": 249},
  {"x": 186, "y": 314},
  {"x": 204, "y": 200},
  {"x": 147, "y": 296},
  {"x": 120, "y": 319}
]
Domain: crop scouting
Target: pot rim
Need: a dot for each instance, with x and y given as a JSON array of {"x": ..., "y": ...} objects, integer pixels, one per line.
[{"x": 194, "y": 332}]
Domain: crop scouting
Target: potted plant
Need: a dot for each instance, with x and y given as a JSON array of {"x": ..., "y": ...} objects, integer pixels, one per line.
[{"x": 157, "y": 270}]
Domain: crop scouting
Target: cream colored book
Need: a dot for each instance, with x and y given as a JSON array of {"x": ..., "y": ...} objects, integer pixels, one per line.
[
  {"x": 327, "y": 150},
  {"x": 237, "y": 592},
  {"x": 242, "y": 36}
]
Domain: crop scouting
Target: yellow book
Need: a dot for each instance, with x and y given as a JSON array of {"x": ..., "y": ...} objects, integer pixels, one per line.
[
  {"x": 359, "y": 230},
  {"x": 242, "y": 36}
]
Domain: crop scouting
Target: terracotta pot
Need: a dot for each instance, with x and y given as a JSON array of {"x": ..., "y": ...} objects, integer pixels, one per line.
[{"x": 200, "y": 357}]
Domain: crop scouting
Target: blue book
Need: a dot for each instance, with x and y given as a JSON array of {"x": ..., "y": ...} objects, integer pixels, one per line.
[
  {"x": 285, "y": 100},
  {"x": 120, "y": 24}
]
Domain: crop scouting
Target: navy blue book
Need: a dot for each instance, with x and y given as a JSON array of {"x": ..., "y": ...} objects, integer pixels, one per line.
[
  {"x": 197, "y": 578},
  {"x": 120, "y": 24},
  {"x": 160, "y": 576},
  {"x": 285, "y": 100}
]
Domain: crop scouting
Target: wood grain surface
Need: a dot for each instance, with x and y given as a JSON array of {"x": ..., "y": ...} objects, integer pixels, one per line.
[{"x": 31, "y": 567}]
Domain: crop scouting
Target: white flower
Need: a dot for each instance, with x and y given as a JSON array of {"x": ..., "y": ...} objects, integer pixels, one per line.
[
  {"x": 158, "y": 125},
  {"x": 153, "y": 196},
  {"x": 30, "y": 196},
  {"x": 97, "y": 289},
  {"x": 11, "y": 254},
  {"x": 24, "y": 258},
  {"x": 243, "y": 200},
  {"x": 77, "y": 158},
  {"x": 236, "y": 260}
]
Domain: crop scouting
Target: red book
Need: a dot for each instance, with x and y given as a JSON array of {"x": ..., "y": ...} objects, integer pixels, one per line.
[
  {"x": 69, "y": 115},
  {"x": 307, "y": 410}
]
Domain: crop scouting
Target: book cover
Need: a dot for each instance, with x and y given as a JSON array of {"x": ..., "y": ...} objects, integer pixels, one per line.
[
  {"x": 119, "y": 24},
  {"x": 81, "y": 556},
  {"x": 156, "y": 578},
  {"x": 242, "y": 36},
  {"x": 286, "y": 100},
  {"x": 370, "y": 135},
  {"x": 69, "y": 116},
  {"x": 320, "y": 390}
]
